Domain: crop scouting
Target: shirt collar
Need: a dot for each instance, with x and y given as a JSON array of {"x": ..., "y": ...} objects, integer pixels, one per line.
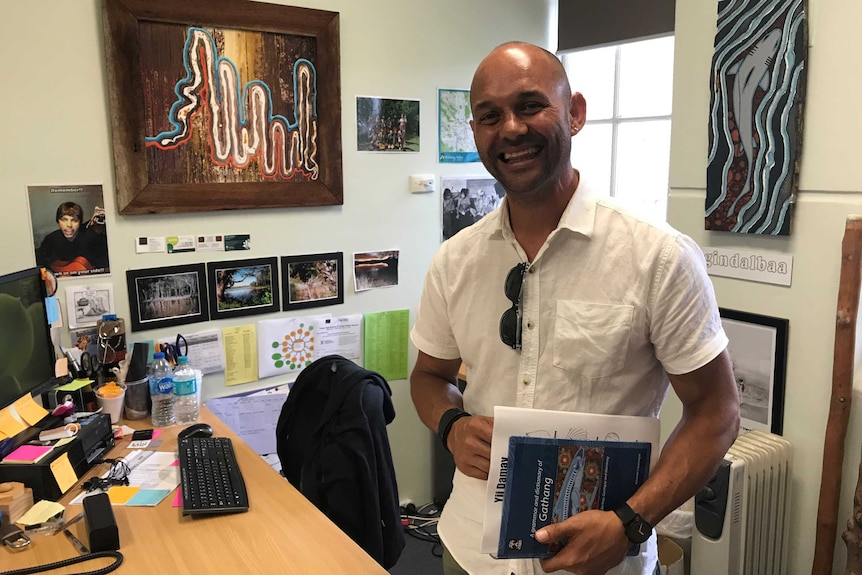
[{"x": 579, "y": 215}]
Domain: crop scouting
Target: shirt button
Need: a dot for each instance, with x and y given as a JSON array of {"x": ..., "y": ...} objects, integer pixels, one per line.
[
  {"x": 529, "y": 325},
  {"x": 526, "y": 382}
]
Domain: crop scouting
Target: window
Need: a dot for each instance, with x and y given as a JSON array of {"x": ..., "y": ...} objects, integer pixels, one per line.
[{"x": 624, "y": 147}]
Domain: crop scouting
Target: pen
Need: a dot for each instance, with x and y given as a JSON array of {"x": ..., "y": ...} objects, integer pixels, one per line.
[{"x": 76, "y": 542}]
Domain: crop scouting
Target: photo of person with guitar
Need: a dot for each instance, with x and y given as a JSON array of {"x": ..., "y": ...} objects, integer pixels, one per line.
[{"x": 78, "y": 245}]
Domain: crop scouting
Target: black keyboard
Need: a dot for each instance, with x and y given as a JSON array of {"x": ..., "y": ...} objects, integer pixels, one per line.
[{"x": 211, "y": 479}]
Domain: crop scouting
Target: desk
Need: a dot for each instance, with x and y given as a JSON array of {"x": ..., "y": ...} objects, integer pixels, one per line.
[{"x": 281, "y": 533}]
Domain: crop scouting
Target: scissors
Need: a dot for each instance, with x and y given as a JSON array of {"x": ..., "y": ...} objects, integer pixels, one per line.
[
  {"x": 90, "y": 365},
  {"x": 173, "y": 351}
]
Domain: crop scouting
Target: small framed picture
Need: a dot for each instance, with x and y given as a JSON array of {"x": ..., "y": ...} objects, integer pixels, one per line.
[
  {"x": 87, "y": 304},
  {"x": 167, "y": 296},
  {"x": 758, "y": 350},
  {"x": 243, "y": 287},
  {"x": 313, "y": 280}
]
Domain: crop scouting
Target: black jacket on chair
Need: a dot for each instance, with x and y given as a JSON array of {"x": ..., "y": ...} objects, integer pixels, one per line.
[{"x": 333, "y": 447}]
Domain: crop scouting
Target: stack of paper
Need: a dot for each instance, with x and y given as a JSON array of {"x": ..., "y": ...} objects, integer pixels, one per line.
[{"x": 28, "y": 454}]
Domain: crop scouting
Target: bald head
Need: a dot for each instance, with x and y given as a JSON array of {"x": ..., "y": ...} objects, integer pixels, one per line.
[{"x": 529, "y": 58}]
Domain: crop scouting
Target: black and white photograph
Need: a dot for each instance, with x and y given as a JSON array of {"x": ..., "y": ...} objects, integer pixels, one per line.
[
  {"x": 167, "y": 296},
  {"x": 375, "y": 270},
  {"x": 243, "y": 287},
  {"x": 758, "y": 350},
  {"x": 387, "y": 125},
  {"x": 87, "y": 304},
  {"x": 313, "y": 280},
  {"x": 466, "y": 200}
]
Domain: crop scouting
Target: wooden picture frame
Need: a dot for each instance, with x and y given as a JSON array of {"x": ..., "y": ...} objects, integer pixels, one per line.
[
  {"x": 277, "y": 141},
  {"x": 758, "y": 349},
  {"x": 253, "y": 282},
  {"x": 310, "y": 280},
  {"x": 167, "y": 296}
]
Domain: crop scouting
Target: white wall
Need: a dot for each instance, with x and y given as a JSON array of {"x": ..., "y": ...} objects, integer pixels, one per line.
[
  {"x": 830, "y": 181},
  {"x": 55, "y": 125}
]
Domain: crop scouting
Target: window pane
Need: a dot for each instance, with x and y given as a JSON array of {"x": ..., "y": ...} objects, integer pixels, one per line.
[
  {"x": 591, "y": 72},
  {"x": 591, "y": 155},
  {"x": 646, "y": 78},
  {"x": 643, "y": 160}
]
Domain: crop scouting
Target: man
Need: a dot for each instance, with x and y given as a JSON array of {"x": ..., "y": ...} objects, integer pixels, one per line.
[
  {"x": 72, "y": 249},
  {"x": 600, "y": 309}
]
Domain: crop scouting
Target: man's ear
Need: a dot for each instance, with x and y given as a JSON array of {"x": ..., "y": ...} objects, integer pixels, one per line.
[{"x": 577, "y": 112}]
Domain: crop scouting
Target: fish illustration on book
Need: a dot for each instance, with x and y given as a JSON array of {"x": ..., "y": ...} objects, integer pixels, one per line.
[{"x": 569, "y": 501}]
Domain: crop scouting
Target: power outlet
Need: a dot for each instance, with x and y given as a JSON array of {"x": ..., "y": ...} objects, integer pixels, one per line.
[{"x": 422, "y": 183}]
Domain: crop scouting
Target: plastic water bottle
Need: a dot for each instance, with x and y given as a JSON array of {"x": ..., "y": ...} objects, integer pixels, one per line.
[
  {"x": 162, "y": 391},
  {"x": 186, "y": 398}
]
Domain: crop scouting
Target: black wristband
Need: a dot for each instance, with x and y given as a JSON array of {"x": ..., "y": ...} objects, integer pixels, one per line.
[{"x": 446, "y": 421}]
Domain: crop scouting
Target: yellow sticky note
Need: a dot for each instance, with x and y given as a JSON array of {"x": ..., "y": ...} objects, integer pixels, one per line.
[
  {"x": 41, "y": 512},
  {"x": 64, "y": 475},
  {"x": 10, "y": 426},
  {"x": 119, "y": 494},
  {"x": 30, "y": 411}
]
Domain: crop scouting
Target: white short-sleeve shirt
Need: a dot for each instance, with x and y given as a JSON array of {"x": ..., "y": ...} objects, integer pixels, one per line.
[{"x": 611, "y": 304}]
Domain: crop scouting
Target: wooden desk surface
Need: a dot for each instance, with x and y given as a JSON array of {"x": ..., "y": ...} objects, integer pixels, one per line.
[{"x": 281, "y": 533}]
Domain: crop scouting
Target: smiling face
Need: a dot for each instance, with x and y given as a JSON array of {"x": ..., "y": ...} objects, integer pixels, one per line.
[{"x": 524, "y": 116}]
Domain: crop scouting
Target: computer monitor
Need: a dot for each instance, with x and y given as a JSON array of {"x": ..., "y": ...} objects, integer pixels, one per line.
[{"x": 26, "y": 351}]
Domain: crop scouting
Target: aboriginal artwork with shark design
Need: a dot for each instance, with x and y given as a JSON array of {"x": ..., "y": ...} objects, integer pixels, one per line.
[
  {"x": 228, "y": 106},
  {"x": 755, "y": 121}
]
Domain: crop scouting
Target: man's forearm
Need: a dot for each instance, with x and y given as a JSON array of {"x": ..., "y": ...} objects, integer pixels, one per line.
[{"x": 689, "y": 459}]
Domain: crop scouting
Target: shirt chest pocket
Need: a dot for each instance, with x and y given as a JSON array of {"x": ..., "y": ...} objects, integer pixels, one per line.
[{"x": 591, "y": 339}]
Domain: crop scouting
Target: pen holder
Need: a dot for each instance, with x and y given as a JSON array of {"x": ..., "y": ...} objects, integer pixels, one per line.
[{"x": 137, "y": 400}]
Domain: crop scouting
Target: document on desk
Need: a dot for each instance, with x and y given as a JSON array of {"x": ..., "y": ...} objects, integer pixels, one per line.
[
  {"x": 513, "y": 421},
  {"x": 153, "y": 475},
  {"x": 252, "y": 417}
]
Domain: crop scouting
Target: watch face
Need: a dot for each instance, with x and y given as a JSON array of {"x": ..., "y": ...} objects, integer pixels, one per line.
[{"x": 638, "y": 530}]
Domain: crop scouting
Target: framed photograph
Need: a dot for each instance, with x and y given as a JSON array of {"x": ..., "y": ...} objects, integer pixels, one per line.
[
  {"x": 243, "y": 287},
  {"x": 87, "y": 304},
  {"x": 313, "y": 280},
  {"x": 758, "y": 349},
  {"x": 223, "y": 107},
  {"x": 168, "y": 296}
]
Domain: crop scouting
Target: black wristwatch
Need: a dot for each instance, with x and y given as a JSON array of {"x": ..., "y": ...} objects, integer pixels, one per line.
[
  {"x": 446, "y": 421},
  {"x": 636, "y": 527}
]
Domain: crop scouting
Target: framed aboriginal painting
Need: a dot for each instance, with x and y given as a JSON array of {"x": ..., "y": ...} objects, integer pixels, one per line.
[
  {"x": 755, "y": 122},
  {"x": 221, "y": 105}
]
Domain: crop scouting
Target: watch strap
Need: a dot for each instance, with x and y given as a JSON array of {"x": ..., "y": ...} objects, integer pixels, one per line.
[
  {"x": 637, "y": 529},
  {"x": 446, "y": 421}
]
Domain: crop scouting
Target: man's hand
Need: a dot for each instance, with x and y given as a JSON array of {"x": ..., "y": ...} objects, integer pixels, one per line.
[
  {"x": 470, "y": 443},
  {"x": 594, "y": 542}
]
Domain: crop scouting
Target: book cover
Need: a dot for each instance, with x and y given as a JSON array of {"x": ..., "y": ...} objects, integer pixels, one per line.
[
  {"x": 550, "y": 480},
  {"x": 515, "y": 421}
]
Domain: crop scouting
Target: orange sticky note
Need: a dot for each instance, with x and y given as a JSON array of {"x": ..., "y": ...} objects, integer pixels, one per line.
[
  {"x": 64, "y": 475},
  {"x": 9, "y": 426},
  {"x": 30, "y": 411},
  {"x": 119, "y": 494}
]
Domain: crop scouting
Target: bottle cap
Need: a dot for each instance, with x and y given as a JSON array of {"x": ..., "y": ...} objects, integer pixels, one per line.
[
  {"x": 182, "y": 360},
  {"x": 159, "y": 355}
]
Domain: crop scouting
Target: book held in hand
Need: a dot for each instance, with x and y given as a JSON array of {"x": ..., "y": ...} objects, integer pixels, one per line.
[{"x": 550, "y": 480}]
